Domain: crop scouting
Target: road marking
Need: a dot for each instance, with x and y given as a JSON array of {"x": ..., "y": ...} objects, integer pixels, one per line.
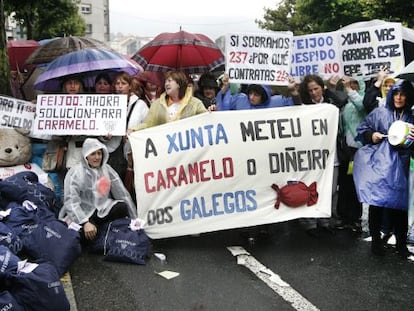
[
  {"x": 67, "y": 286},
  {"x": 272, "y": 280}
]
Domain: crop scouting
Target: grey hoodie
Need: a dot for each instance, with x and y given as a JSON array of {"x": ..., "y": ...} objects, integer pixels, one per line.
[{"x": 87, "y": 189}]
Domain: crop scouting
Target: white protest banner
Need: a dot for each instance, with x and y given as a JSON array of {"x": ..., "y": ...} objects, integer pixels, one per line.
[
  {"x": 234, "y": 169},
  {"x": 16, "y": 113},
  {"x": 316, "y": 54},
  {"x": 81, "y": 114},
  {"x": 260, "y": 58},
  {"x": 364, "y": 51}
]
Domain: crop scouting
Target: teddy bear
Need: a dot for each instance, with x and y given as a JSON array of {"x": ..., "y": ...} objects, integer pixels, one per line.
[
  {"x": 15, "y": 147},
  {"x": 16, "y": 154}
]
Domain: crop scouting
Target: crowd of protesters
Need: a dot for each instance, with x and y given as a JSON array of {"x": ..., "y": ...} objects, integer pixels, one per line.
[{"x": 367, "y": 109}]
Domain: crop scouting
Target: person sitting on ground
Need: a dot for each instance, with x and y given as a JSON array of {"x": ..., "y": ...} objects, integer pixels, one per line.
[{"x": 94, "y": 193}]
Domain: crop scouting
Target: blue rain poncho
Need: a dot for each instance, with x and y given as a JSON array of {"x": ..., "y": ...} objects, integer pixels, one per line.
[{"x": 381, "y": 170}]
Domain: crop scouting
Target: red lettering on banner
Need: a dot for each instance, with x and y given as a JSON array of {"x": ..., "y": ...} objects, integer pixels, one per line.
[{"x": 202, "y": 171}]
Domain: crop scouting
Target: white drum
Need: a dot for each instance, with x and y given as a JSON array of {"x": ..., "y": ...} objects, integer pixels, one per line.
[{"x": 398, "y": 134}]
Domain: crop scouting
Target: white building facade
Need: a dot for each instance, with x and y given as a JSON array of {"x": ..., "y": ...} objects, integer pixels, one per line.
[{"x": 96, "y": 16}]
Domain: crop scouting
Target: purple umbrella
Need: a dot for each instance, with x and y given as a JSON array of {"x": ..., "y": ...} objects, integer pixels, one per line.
[{"x": 85, "y": 64}]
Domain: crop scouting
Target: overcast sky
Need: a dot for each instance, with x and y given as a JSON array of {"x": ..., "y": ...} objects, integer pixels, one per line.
[{"x": 210, "y": 17}]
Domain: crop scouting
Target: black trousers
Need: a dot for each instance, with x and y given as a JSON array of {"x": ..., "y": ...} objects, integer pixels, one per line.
[
  {"x": 119, "y": 210},
  {"x": 349, "y": 208},
  {"x": 398, "y": 218}
]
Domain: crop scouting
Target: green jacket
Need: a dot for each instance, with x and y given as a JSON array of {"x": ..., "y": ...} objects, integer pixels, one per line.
[{"x": 158, "y": 112}]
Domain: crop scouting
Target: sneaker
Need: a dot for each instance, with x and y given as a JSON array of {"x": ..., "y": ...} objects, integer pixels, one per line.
[
  {"x": 404, "y": 253},
  {"x": 386, "y": 237}
]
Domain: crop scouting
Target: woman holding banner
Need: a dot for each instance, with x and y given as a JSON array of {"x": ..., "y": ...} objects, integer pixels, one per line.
[
  {"x": 177, "y": 102},
  {"x": 257, "y": 97},
  {"x": 313, "y": 91}
]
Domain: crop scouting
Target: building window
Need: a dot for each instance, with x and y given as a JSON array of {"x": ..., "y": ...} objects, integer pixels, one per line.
[
  {"x": 86, "y": 8},
  {"x": 88, "y": 29}
]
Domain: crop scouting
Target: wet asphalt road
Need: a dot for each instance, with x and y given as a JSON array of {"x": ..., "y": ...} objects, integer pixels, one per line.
[{"x": 332, "y": 272}]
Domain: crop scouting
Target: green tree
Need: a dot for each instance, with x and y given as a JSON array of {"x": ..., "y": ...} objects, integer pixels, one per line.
[
  {"x": 46, "y": 19},
  {"x": 401, "y": 11},
  {"x": 59, "y": 20},
  {"x": 284, "y": 18},
  {"x": 328, "y": 15},
  {"x": 312, "y": 16}
]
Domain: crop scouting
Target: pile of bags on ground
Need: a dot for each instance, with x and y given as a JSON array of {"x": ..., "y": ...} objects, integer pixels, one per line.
[{"x": 36, "y": 248}]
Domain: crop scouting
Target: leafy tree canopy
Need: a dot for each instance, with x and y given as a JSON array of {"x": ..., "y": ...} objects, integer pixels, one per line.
[
  {"x": 47, "y": 19},
  {"x": 312, "y": 16}
]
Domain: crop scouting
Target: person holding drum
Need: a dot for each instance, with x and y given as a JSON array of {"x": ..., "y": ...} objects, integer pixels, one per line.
[{"x": 381, "y": 166}]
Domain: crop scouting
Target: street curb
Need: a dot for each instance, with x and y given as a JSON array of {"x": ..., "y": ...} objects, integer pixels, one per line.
[{"x": 67, "y": 286}]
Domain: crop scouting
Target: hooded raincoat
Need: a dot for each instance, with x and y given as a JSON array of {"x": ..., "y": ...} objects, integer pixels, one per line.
[
  {"x": 381, "y": 170},
  {"x": 87, "y": 189},
  {"x": 241, "y": 101}
]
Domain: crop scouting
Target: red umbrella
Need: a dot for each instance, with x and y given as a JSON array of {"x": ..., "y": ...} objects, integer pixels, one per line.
[
  {"x": 19, "y": 51},
  {"x": 188, "y": 52},
  {"x": 153, "y": 77}
]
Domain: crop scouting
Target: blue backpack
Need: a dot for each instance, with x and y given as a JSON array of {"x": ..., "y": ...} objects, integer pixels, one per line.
[
  {"x": 8, "y": 263},
  {"x": 24, "y": 186},
  {"x": 119, "y": 243},
  {"x": 9, "y": 239},
  {"x": 7, "y": 302},
  {"x": 39, "y": 290},
  {"x": 45, "y": 237}
]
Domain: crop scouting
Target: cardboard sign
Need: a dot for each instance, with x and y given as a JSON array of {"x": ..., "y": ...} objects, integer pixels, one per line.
[
  {"x": 16, "y": 113},
  {"x": 81, "y": 114},
  {"x": 260, "y": 58}
]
